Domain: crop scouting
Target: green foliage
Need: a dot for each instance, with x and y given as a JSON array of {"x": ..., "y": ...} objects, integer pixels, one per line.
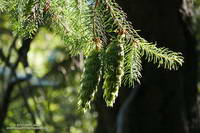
[
  {"x": 2, "y": 5},
  {"x": 88, "y": 26},
  {"x": 161, "y": 56},
  {"x": 197, "y": 3},
  {"x": 114, "y": 59},
  {"x": 73, "y": 23},
  {"x": 90, "y": 79},
  {"x": 133, "y": 65},
  {"x": 26, "y": 16}
]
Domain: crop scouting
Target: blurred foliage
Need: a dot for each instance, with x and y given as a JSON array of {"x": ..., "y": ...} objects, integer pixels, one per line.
[
  {"x": 56, "y": 111},
  {"x": 196, "y": 3}
]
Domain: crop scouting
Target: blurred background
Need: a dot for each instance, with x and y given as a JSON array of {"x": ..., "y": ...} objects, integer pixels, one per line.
[
  {"x": 44, "y": 92},
  {"x": 39, "y": 80}
]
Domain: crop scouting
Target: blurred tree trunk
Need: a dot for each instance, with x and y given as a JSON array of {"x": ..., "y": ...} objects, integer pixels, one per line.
[{"x": 166, "y": 101}]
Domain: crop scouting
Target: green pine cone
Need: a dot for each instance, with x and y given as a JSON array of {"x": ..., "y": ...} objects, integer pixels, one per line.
[
  {"x": 90, "y": 79},
  {"x": 114, "y": 71}
]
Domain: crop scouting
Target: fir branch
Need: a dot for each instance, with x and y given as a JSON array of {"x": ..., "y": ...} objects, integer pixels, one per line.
[
  {"x": 133, "y": 65},
  {"x": 161, "y": 56},
  {"x": 26, "y": 16},
  {"x": 83, "y": 23},
  {"x": 72, "y": 21},
  {"x": 113, "y": 70},
  {"x": 97, "y": 22},
  {"x": 90, "y": 80}
]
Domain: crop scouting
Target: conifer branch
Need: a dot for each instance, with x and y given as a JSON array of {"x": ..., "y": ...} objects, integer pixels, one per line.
[
  {"x": 90, "y": 80},
  {"x": 100, "y": 30},
  {"x": 161, "y": 56},
  {"x": 113, "y": 71},
  {"x": 133, "y": 65}
]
